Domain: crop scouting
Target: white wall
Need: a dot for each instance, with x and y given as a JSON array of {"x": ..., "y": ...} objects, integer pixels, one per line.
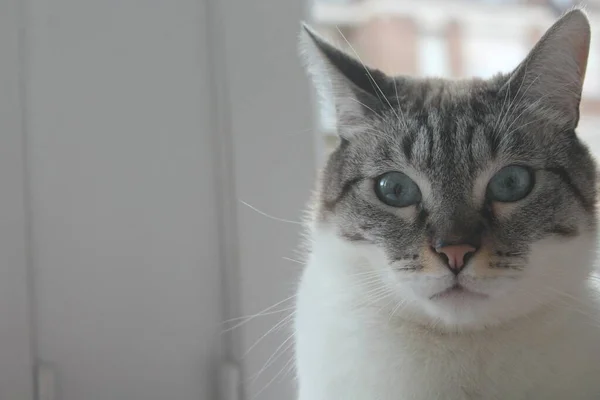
[
  {"x": 588, "y": 132},
  {"x": 16, "y": 352},
  {"x": 271, "y": 123},
  {"x": 120, "y": 145},
  {"x": 131, "y": 128}
]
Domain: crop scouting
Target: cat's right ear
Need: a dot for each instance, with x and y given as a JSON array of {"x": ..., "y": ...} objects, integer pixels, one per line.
[{"x": 359, "y": 92}]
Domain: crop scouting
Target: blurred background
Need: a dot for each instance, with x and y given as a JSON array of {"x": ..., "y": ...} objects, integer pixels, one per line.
[
  {"x": 451, "y": 39},
  {"x": 156, "y": 158}
]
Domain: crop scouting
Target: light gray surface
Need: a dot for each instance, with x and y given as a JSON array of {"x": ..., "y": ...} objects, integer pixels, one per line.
[
  {"x": 15, "y": 350},
  {"x": 145, "y": 125},
  {"x": 125, "y": 250},
  {"x": 272, "y": 127}
]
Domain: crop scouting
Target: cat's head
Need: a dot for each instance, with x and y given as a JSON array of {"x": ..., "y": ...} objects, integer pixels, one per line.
[{"x": 474, "y": 199}]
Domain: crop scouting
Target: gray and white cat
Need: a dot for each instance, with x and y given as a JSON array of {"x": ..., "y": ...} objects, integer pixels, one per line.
[{"x": 453, "y": 234}]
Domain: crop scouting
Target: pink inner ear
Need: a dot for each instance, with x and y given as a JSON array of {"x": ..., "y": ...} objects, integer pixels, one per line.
[
  {"x": 578, "y": 38},
  {"x": 582, "y": 59}
]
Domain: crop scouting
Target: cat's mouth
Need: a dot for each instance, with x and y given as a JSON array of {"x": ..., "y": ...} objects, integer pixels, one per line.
[{"x": 458, "y": 291}]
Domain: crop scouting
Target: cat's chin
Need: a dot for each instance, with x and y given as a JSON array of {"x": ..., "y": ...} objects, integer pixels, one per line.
[{"x": 458, "y": 294}]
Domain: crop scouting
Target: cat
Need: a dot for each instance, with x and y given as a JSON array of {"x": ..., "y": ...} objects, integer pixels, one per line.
[{"x": 453, "y": 234}]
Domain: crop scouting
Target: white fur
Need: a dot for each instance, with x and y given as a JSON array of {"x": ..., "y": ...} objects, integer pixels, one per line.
[{"x": 367, "y": 332}]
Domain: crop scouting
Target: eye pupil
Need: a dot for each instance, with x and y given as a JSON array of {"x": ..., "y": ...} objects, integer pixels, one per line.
[
  {"x": 510, "y": 184},
  {"x": 397, "y": 190}
]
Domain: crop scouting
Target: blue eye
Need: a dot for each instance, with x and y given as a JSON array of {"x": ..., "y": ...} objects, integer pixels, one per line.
[
  {"x": 510, "y": 184},
  {"x": 397, "y": 190}
]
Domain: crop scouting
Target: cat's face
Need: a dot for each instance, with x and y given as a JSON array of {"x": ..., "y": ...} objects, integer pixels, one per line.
[{"x": 474, "y": 200}]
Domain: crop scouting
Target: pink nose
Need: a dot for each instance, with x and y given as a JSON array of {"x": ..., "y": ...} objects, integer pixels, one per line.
[{"x": 456, "y": 255}]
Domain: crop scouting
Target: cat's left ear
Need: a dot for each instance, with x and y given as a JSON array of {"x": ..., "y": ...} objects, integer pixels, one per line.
[{"x": 551, "y": 77}]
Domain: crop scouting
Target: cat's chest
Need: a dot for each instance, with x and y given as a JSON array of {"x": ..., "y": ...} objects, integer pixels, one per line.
[
  {"x": 374, "y": 361},
  {"x": 394, "y": 363}
]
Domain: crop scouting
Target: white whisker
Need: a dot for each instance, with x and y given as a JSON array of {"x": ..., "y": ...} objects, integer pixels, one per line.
[
  {"x": 260, "y": 315},
  {"x": 293, "y": 260},
  {"x": 290, "y": 361},
  {"x": 270, "y": 216},
  {"x": 251, "y": 317},
  {"x": 281, "y": 323},
  {"x": 276, "y": 354},
  {"x": 363, "y": 104}
]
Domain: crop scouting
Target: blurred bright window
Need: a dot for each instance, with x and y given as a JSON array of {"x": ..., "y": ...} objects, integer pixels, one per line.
[
  {"x": 433, "y": 55},
  {"x": 452, "y": 39},
  {"x": 488, "y": 51}
]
